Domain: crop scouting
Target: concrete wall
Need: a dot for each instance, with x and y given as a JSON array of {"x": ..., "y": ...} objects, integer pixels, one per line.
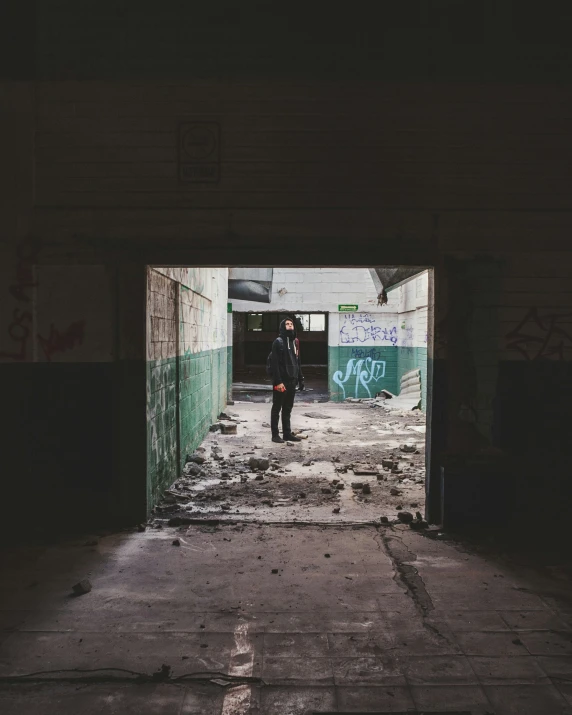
[
  {"x": 412, "y": 329},
  {"x": 340, "y": 144},
  {"x": 315, "y": 289},
  {"x": 186, "y": 365}
]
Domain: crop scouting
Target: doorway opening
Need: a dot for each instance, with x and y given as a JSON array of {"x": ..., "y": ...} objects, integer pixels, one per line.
[
  {"x": 360, "y": 419},
  {"x": 254, "y": 332}
]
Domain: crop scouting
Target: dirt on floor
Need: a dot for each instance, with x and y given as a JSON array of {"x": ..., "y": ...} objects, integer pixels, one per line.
[{"x": 358, "y": 461}]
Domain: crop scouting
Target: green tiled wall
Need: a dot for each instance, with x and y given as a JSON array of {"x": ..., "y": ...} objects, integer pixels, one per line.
[
  {"x": 229, "y": 373},
  {"x": 161, "y": 425},
  {"x": 338, "y": 359},
  {"x": 398, "y": 360},
  {"x": 202, "y": 395}
]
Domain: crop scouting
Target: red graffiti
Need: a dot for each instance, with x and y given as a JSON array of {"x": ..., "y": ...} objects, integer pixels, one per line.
[
  {"x": 19, "y": 328},
  {"x": 540, "y": 337},
  {"x": 58, "y": 342}
]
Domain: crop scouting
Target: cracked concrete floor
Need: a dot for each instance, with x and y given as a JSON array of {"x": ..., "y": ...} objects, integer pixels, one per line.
[{"x": 281, "y": 619}]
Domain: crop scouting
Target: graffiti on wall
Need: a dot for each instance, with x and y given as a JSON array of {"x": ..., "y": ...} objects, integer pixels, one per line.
[
  {"x": 362, "y": 353},
  {"x": 360, "y": 373},
  {"x": 541, "y": 337},
  {"x": 57, "y": 342},
  {"x": 407, "y": 335},
  {"x": 362, "y": 327},
  {"x": 20, "y": 325}
]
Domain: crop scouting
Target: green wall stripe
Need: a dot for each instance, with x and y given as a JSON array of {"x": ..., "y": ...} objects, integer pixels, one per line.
[
  {"x": 200, "y": 396},
  {"x": 382, "y": 369}
]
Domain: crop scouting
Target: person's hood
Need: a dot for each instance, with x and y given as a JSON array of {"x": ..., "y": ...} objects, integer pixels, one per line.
[{"x": 282, "y": 329}]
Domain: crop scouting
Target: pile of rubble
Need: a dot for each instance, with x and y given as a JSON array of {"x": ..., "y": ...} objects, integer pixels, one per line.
[{"x": 378, "y": 470}]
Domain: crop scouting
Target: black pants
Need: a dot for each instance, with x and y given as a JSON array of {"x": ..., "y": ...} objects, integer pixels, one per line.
[{"x": 282, "y": 401}]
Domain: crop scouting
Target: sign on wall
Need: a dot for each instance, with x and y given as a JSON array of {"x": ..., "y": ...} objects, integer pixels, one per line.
[
  {"x": 199, "y": 152},
  {"x": 347, "y": 308}
]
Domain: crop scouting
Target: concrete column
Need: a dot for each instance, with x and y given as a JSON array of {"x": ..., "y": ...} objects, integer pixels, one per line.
[{"x": 130, "y": 418}]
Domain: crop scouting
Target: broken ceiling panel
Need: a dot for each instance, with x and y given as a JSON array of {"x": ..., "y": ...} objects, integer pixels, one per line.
[
  {"x": 388, "y": 278},
  {"x": 250, "y": 284}
]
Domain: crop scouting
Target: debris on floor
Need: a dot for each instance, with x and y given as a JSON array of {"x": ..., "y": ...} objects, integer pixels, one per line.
[
  {"x": 82, "y": 587},
  {"x": 249, "y": 476}
]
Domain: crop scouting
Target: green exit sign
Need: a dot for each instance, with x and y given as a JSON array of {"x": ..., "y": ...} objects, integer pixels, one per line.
[
  {"x": 229, "y": 307},
  {"x": 347, "y": 308}
]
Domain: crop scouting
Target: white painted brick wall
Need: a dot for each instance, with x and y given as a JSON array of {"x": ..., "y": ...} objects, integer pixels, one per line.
[
  {"x": 317, "y": 289},
  {"x": 324, "y": 289}
]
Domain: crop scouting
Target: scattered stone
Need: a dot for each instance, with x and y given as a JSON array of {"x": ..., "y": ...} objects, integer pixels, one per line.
[
  {"x": 406, "y": 517},
  {"x": 341, "y": 485},
  {"x": 289, "y": 444},
  {"x": 307, "y": 463},
  {"x": 216, "y": 427},
  {"x": 327, "y": 556},
  {"x": 302, "y": 495},
  {"x": 263, "y": 463},
  {"x": 366, "y": 489},
  {"x": 387, "y": 463},
  {"x": 394, "y": 492},
  {"x": 399, "y": 507},
  {"x": 229, "y": 428},
  {"x": 179, "y": 521},
  {"x": 336, "y": 510},
  {"x": 197, "y": 458},
  {"x": 224, "y": 416},
  {"x": 357, "y": 485},
  {"x": 259, "y": 477},
  {"x": 82, "y": 587},
  {"x": 274, "y": 570},
  {"x": 317, "y": 416},
  {"x": 407, "y": 448},
  {"x": 266, "y": 424},
  {"x": 326, "y": 490},
  {"x": 384, "y": 520},
  {"x": 191, "y": 469},
  {"x": 176, "y": 542},
  {"x": 364, "y": 469}
]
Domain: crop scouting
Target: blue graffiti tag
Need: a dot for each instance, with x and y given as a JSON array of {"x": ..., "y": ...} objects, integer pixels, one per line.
[
  {"x": 373, "y": 370},
  {"x": 373, "y": 353}
]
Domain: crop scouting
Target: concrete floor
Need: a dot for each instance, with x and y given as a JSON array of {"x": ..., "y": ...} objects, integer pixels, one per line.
[
  {"x": 338, "y": 436},
  {"x": 267, "y": 616}
]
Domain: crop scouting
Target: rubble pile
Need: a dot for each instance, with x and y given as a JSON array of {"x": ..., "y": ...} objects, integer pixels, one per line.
[{"x": 352, "y": 458}]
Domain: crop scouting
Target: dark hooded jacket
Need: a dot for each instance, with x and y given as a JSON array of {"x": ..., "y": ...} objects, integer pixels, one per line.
[{"x": 285, "y": 360}]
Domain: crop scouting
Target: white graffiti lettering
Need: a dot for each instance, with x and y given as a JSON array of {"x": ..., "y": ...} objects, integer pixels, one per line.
[{"x": 365, "y": 372}]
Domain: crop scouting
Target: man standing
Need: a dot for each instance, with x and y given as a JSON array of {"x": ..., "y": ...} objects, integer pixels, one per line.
[{"x": 286, "y": 373}]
